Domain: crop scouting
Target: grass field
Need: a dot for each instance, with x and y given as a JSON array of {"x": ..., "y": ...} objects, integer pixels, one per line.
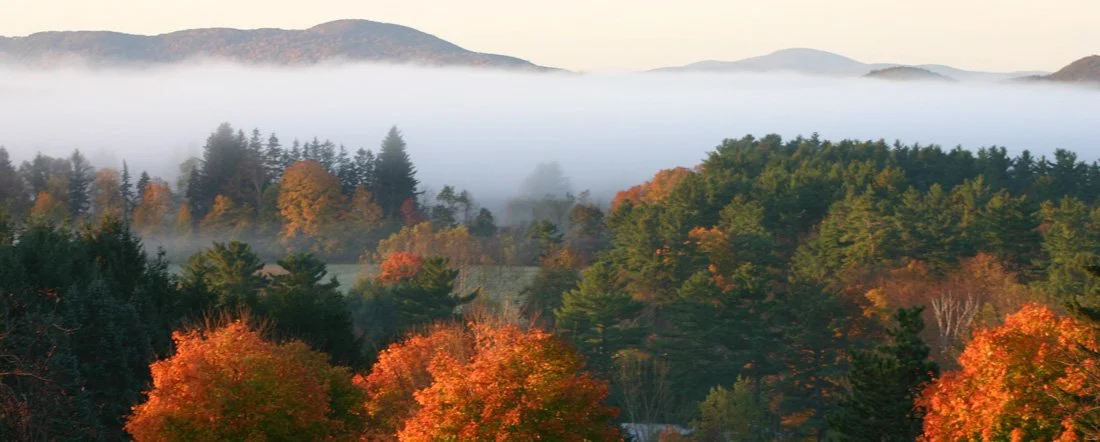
[{"x": 498, "y": 283}]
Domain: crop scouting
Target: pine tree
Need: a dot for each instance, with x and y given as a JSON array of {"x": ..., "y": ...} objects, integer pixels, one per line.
[
  {"x": 364, "y": 168},
  {"x": 346, "y": 171},
  {"x": 884, "y": 385},
  {"x": 598, "y": 317},
  {"x": 13, "y": 194},
  {"x": 142, "y": 184},
  {"x": 395, "y": 175},
  {"x": 81, "y": 176},
  {"x": 127, "y": 190},
  {"x": 304, "y": 306},
  {"x": 274, "y": 159}
]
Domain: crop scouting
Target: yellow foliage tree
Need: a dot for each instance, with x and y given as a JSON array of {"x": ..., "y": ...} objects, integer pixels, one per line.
[
  {"x": 456, "y": 244},
  {"x": 151, "y": 215},
  {"x": 48, "y": 208},
  {"x": 224, "y": 216},
  {"x": 107, "y": 200},
  {"x": 310, "y": 202}
]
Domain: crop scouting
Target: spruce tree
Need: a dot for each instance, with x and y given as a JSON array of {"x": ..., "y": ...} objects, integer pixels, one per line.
[
  {"x": 13, "y": 194},
  {"x": 884, "y": 385},
  {"x": 142, "y": 183},
  {"x": 81, "y": 176},
  {"x": 274, "y": 159},
  {"x": 364, "y": 169},
  {"x": 394, "y": 174},
  {"x": 599, "y": 317},
  {"x": 127, "y": 191}
]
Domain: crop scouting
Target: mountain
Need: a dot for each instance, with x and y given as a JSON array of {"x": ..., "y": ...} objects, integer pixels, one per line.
[
  {"x": 817, "y": 62},
  {"x": 1085, "y": 70},
  {"x": 907, "y": 73},
  {"x": 343, "y": 40}
]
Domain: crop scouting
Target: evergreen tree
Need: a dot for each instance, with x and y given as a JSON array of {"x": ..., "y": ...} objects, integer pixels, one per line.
[
  {"x": 885, "y": 384},
  {"x": 483, "y": 226},
  {"x": 364, "y": 169},
  {"x": 229, "y": 270},
  {"x": 394, "y": 174},
  {"x": 599, "y": 317},
  {"x": 127, "y": 190},
  {"x": 274, "y": 159},
  {"x": 304, "y": 306},
  {"x": 346, "y": 171},
  {"x": 13, "y": 194},
  {"x": 142, "y": 184},
  {"x": 81, "y": 176}
]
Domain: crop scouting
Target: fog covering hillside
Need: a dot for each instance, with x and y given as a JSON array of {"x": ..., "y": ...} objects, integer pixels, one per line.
[{"x": 484, "y": 131}]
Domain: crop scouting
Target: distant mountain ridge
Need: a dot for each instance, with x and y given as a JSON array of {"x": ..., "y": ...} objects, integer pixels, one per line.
[
  {"x": 351, "y": 40},
  {"x": 818, "y": 62},
  {"x": 907, "y": 73}
]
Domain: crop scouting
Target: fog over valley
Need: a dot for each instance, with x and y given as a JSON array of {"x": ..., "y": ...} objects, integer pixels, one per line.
[{"x": 485, "y": 130}]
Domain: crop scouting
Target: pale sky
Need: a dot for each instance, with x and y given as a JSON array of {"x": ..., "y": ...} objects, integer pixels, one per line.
[{"x": 608, "y": 35}]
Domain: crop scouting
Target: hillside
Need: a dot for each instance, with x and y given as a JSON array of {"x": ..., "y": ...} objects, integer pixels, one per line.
[
  {"x": 907, "y": 73},
  {"x": 817, "y": 62},
  {"x": 355, "y": 40},
  {"x": 1085, "y": 70}
]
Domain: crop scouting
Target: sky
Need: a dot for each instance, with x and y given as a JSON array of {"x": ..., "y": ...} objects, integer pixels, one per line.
[{"x": 618, "y": 35}]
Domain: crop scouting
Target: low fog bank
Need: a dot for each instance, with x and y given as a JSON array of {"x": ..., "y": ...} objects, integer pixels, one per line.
[{"x": 485, "y": 131}]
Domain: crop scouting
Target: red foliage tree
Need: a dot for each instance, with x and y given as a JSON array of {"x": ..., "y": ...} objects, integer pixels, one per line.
[
  {"x": 1020, "y": 381},
  {"x": 399, "y": 266}
]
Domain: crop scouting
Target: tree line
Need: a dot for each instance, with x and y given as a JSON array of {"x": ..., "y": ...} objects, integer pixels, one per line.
[{"x": 780, "y": 290}]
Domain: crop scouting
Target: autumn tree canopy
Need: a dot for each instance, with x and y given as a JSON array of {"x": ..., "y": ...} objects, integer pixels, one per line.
[
  {"x": 1018, "y": 381},
  {"x": 492, "y": 382},
  {"x": 231, "y": 384}
]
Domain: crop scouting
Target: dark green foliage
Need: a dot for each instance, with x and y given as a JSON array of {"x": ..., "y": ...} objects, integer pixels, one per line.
[
  {"x": 381, "y": 313},
  {"x": 884, "y": 384},
  {"x": 483, "y": 226},
  {"x": 544, "y": 295},
  {"x": 82, "y": 318},
  {"x": 14, "y": 199},
  {"x": 429, "y": 296},
  {"x": 302, "y": 306},
  {"x": 394, "y": 175},
  {"x": 600, "y": 317},
  {"x": 126, "y": 188},
  {"x": 229, "y": 270},
  {"x": 142, "y": 185}
]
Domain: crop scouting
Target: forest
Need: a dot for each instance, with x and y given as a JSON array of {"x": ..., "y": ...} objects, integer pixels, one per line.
[{"x": 780, "y": 290}]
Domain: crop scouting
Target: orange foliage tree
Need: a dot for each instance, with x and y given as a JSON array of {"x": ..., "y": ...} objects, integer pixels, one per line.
[
  {"x": 231, "y": 384},
  {"x": 485, "y": 383},
  {"x": 402, "y": 370},
  {"x": 654, "y": 190},
  {"x": 519, "y": 385},
  {"x": 1019, "y": 381}
]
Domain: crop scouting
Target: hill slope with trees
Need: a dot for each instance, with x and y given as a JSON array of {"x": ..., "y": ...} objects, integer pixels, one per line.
[{"x": 343, "y": 40}]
